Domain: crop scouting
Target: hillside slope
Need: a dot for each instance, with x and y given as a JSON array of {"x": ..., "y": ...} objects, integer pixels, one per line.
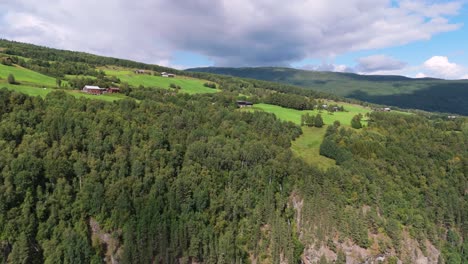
[
  {"x": 426, "y": 94},
  {"x": 162, "y": 176}
]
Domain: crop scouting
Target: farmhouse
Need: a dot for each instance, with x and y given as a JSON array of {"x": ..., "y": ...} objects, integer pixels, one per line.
[
  {"x": 383, "y": 109},
  {"x": 93, "y": 89},
  {"x": 165, "y": 74},
  {"x": 113, "y": 90},
  {"x": 242, "y": 104}
]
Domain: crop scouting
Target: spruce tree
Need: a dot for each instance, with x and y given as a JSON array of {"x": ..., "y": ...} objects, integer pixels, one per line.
[{"x": 318, "y": 121}]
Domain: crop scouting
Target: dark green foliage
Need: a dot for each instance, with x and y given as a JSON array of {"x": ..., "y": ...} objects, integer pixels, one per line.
[
  {"x": 400, "y": 171},
  {"x": 210, "y": 85},
  {"x": 308, "y": 120},
  {"x": 11, "y": 79},
  {"x": 356, "y": 122},
  {"x": 178, "y": 178},
  {"x": 7, "y": 61},
  {"x": 291, "y": 101},
  {"x": 341, "y": 257},
  {"x": 318, "y": 121}
]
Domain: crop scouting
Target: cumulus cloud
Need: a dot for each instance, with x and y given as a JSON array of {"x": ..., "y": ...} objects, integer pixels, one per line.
[
  {"x": 240, "y": 33},
  {"x": 420, "y": 75},
  {"x": 328, "y": 67},
  {"x": 441, "y": 67},
  {"x": 376, "y": 63}
]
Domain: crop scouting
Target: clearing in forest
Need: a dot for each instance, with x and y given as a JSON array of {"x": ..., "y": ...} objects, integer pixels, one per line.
[
  {"x": 307, "y": 146},
  {"x": 187, "y": 85}
]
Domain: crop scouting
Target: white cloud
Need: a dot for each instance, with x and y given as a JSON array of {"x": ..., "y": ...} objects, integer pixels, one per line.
[
  {"x": 327, "y": 67},
  {"x": 441, "y": 67},
  {"x": 420, "y": 75},
  {"x": 379, "y": 63},
  {"x": 241, "y": 32}
]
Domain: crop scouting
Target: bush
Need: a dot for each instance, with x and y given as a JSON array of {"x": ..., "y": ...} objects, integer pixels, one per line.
[
  {"x": 210, "y": 85},
  {"x": 11, "y": 79},
  {"x": 356, "y": 122}
]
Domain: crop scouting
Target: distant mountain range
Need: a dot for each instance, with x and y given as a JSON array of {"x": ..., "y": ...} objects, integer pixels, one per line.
[{"x": 426, "y": 93}]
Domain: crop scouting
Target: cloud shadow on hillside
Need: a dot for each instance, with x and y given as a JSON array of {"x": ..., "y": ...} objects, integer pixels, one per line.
[{"x": 437, "y": 97}]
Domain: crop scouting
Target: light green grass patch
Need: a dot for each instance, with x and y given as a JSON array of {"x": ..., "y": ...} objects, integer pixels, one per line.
[
  {"x": 103, "y": 97},
  {"x": 307, "y": 146},
  {"x": 29, "y": 90},
  {"x": 188, "y": 85},
  {"x": 294, "y": 115},
  {"x": 68, "y": 76},
  {"x": 26, "y": 76},
  {"x": 36, "y": 91}
]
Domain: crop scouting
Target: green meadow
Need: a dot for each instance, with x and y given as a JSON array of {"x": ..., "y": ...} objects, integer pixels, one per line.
[
  {"x": 103, "y": 97},
  {"x": 29, "y": 90},
  {"x": 293, "y": 115},
  {"x": 26, "y": 76},
  {"x": 188, "y": 85},
  {"x": 307, "y": 146},
  {"x": 37, "y": 91}
]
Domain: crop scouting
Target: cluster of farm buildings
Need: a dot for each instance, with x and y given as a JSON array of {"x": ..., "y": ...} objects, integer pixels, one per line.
[
  {"x": 90, "y": 89},
  {"x": 163, "y": 74}
]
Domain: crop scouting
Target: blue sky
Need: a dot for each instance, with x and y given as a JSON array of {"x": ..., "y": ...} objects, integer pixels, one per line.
[{"x": 415, "y": 38}]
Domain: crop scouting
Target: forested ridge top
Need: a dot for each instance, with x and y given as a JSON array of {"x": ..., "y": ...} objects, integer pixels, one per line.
[{"x": 165, "y": 176}]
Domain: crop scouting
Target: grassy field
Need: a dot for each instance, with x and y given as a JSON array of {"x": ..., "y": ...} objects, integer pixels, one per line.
[
  {"x": 29, "y": 90},
  {"x": 26, "y": 77},
  {"x": 188, "y": 85},
  {"x": 295, "y": 115},
  {"x": 36, "y": 91},
  {"x": 68, "y": 76},
  {"x": 307, "y": 147},
  {"x": 103, "y": 97}
]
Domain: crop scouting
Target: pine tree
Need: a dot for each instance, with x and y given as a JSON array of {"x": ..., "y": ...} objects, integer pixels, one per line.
[{"x": 21, "y": 252}]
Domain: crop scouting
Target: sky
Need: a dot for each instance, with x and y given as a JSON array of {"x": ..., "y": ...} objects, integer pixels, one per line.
[{"x": 419, "y": 38}]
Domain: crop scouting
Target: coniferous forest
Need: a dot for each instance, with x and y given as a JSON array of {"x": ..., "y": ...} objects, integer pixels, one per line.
[{"x": 162, "y": 177}]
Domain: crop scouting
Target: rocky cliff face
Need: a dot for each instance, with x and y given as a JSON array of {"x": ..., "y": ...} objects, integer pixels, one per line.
[
  {"x": 108, "y": 243},
  {"x": 317, "y": 252}
]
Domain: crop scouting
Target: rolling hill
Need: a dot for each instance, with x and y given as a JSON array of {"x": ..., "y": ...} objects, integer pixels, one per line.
[
  {"x": 151, "y": 175},
  {"x": 427, "y": 94}
]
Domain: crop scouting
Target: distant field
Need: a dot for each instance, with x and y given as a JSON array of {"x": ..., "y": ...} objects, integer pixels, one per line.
[
  {"x": 103, "y": 97},
  {"x": 29, "y": 90},
  {"x": 26, "y": 77},
  {"x": 36, "y": 91},
  {"x": 295, "y": 115},
  {"x": 427, "y": 94},
  {"x": 79, "y": 76},
  {"x": 188, "y": 85},
  {"x": 307, "y": 147}
]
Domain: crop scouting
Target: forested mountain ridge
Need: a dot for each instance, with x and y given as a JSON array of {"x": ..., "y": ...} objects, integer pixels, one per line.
[
  {"x": 164, "y": 176},
  {"x": 426, "y": 94}
]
